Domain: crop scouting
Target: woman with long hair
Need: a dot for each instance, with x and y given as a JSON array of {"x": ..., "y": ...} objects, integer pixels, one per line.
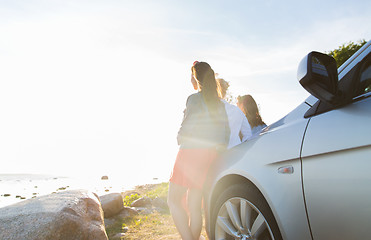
[
  {"x": 204, "y": 132},
  {"x": 248, "y": 106},
  {"x": 238, "y": 124}
]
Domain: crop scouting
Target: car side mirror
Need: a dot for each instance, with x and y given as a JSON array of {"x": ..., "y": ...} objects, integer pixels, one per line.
[{"x": 317, "y": 73}]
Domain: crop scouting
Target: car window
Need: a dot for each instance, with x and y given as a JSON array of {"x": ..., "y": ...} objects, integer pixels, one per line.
[
  {"x": 357, "y": 81},
  {"x": 365, "y": 80}
]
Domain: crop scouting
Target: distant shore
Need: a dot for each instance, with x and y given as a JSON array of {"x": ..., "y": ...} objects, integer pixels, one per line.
[{"x": 18, "y": 187}]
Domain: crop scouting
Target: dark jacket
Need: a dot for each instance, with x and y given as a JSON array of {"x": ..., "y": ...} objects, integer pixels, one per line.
[{"x": 199, "y": 129}]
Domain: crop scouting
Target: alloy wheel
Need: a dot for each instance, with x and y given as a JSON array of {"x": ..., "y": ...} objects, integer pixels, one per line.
[{"x": 238, "y": 218}]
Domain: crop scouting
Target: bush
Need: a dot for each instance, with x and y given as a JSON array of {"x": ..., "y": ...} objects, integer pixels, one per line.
[{"x": 129, "y": 199}]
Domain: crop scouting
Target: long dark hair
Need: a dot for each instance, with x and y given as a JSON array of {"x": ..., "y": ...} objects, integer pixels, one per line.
[
  {"x": 250, "y": 109},
  {"x": 210, "y": 91}
]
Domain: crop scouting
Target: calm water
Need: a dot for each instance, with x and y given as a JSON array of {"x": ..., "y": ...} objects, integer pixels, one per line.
[{"x": 18, "y": 187}]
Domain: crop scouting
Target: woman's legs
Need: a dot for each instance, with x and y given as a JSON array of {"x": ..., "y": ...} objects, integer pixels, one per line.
[
  {"x": 179, "y": 214},
  {"x": 194, "y": 206}
]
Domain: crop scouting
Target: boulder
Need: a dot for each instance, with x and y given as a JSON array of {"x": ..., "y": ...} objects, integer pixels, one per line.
[
  {"x": 160, "y": 203},
  {"x": 144, "y": 210},
  {"x": 130, "y": 211},
  {"x": 73, "y": 215},
  {"x": 126, "y": 212},
  {"x": 142, "y": 202},
  {"x": 112, "y": 204}
]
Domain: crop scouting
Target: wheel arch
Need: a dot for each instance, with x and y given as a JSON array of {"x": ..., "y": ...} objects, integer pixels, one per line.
[
  {"x": 228, "y": 181},
  {"x": 235, "y": 179}
]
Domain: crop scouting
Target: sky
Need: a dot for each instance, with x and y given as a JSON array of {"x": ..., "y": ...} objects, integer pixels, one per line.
[{"x": 99, "y": 87}]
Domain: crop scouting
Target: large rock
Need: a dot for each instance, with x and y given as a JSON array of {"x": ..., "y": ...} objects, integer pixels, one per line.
[
  {"x": 112, "y": 204},
  {"x": 160, "y": 203},
  {"x": 142, "y": 202},
  {"x": 126, "y": 212},
  {"x": 73, "y": 215},
  {"x": 129, "y": 211}
]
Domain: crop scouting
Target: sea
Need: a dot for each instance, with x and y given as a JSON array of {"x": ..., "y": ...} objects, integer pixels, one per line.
[{"x": 20, "y": 187}]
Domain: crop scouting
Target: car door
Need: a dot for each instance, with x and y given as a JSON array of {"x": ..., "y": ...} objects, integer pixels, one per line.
[{"x": 336, "y": 160}]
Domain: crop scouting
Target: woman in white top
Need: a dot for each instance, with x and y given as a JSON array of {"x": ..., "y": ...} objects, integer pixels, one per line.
[
  {"x": 249, "y": 107},
  {"x": 240, "y": 129}
]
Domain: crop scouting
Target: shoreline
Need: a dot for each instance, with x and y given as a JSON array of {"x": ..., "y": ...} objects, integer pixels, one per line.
[{"x": 15, "y": 188}]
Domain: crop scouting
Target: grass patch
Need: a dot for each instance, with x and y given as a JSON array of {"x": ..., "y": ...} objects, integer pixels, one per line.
[
  {"x": 154, "y": 226},
  {"x": 160, "y": 191},
  {"x": 115, "y": 228}
]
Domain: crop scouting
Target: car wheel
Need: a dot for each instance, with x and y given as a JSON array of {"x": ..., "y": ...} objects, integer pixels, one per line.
[{"x": 241, "y": 212}]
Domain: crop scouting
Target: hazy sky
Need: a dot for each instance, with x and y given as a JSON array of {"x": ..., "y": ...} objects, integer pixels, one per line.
[{"x": 99, "y": 87}]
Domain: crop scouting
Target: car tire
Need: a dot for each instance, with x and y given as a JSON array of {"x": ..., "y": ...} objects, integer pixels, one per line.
[{"x": 241, "y": 212}]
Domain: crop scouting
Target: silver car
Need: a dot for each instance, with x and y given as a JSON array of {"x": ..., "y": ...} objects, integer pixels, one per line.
[{"x": 308, "y": 175}]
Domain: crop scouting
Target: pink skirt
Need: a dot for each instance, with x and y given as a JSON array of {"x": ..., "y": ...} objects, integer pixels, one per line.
[{"x": 191, "y": 167}]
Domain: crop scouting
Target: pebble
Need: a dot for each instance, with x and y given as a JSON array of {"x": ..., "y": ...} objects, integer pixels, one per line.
[
  {"x": 104, "y": 178},
  {"x": 119, "y": 236}
]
